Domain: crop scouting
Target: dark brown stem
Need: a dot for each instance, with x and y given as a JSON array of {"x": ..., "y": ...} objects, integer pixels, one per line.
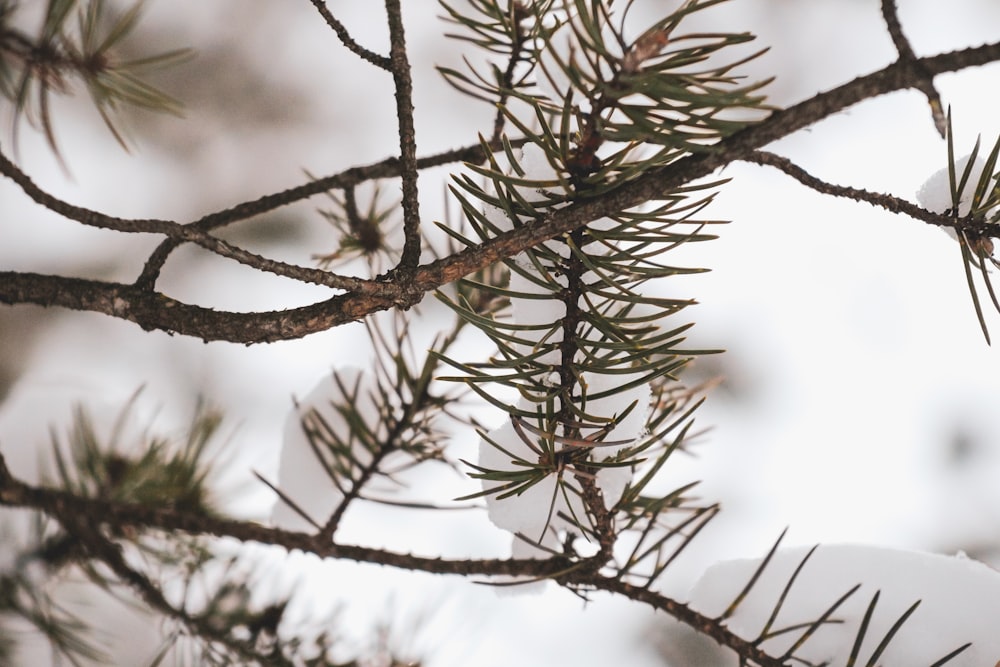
[
  {"x": 517, "y": 15},
  {"x": 410, "y": 257},
  {"x": 96, "y": 545},
  {"x": 64, "y": 506},
  {"x": 57, "y": 503},
  {"x": 905, "y": 50},
  {"x": 387, "y": 168},
  {"x": 888, "y": 202},
  {"x": 708, "y": 626},
  {"x": 177, "y": 233}
]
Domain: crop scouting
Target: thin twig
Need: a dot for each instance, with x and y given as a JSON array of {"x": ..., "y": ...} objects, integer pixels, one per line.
[
  {"x": 177, "y": 233},
  {"x": 886, "y": 201},
  {"x": 925, "y": 84},
  {"x": 507, "y": 82},
  {"x": 387, "y": 168},
  {"x": 708, "y": 626},
  {"x": 410, "y": 257},
  {"x": 64, "y": 506},
  {"x": 345, "y": 37},
  {"x": 154, "y": 311},
  {"x": 108, "y": 552}
]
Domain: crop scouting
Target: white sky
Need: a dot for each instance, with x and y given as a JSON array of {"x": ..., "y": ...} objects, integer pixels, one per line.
[{"x": 850, "y": 332}]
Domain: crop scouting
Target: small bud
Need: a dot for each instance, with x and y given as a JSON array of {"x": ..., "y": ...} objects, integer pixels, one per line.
[{"x": 647, "y": 46}]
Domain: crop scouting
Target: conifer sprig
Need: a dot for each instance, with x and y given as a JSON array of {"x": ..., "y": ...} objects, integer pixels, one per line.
[
  {"x": 33, "y": 68},
  {"x": 606, "y": 107}
]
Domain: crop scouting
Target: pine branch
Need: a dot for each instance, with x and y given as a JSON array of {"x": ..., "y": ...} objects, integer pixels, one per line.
[
  {"x": 746, "y": 650},
  {"x": 633, "y": 126},
  {"x": 177, "y": 233},
  {"x": 70, "y": 508},
  {"x": 111, "y": 555},
  {"x": 153, "y": 311},
  {"x": 119, "y": 515}
]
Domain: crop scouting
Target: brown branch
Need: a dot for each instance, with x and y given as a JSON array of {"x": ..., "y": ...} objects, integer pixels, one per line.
[
  {"x": 518, "y": 14},
  {"x": 86, "y": 532},
  {"x": 14, "y": 493},
  {"x": 891, "y": 17},
  {"x": 410, "y": 257},
  {"x": 153, "y": 311},
  {"x": 196, "y": 232},
  {"x": 388, "y": 168},
  {"x": 710, "y": 627},
  {"x": 886, "y": 201},
  {"x": 345, "y": 37},
  {"x": 69, "y": 509},
  {"x": 905, "y": 50},
  {"x": 177, "y": 233}
]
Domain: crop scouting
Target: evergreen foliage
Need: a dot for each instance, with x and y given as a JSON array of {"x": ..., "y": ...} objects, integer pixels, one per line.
[{"x": 601, "y": 162}]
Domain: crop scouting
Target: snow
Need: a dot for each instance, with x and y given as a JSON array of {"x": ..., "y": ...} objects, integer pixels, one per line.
[
  {"x": 301, "y": 475},
  {"x": 935, "y": 194},
  {"x": 959, "y": 603},
  {"x": 545, "y": 511}
]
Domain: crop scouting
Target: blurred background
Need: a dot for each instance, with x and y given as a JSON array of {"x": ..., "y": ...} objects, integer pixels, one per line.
[{"x": 860, "y": 402}]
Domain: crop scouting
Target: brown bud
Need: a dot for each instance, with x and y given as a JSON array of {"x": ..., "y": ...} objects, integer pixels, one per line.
[{"x": 644, "y": 48}]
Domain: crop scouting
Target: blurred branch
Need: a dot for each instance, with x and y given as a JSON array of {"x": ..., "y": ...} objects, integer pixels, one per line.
[
  {"x": 177, "y": 232},
  {"x": 108, "y": 552},
  {"x": 68, "y": 508},
  {"x": 33, "y": 67},
  {"x": 400, "y": 66}
]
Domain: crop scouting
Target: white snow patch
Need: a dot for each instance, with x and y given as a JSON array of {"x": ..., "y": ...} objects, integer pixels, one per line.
[
  {"x": 539, "y": 512},
  {"x": 935, "y": 193},
  {"x": 959, "y": 603},
  {"x": 301, "y": 475}
]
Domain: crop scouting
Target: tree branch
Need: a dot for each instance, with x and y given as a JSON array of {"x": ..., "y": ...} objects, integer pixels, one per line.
[
  {"x": 196, "y": 232},
  {"x": 345, "y": 37},
  {"x": 710, "y": 627},
  {"x": 177, "y": 233},
  {"x": 96, "y": 545},
  {"x": 906, "y": 53},
  {"x": 64, "y": 506},
  {"x": 517, "y": 16},
  {"x": 154, "y": 311},
  {"x": 14, "y": 493},
  {"x": 388, "y": 168},
  {"x": 886, "y": 201},
  {"x": 410, "y": 257}
]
